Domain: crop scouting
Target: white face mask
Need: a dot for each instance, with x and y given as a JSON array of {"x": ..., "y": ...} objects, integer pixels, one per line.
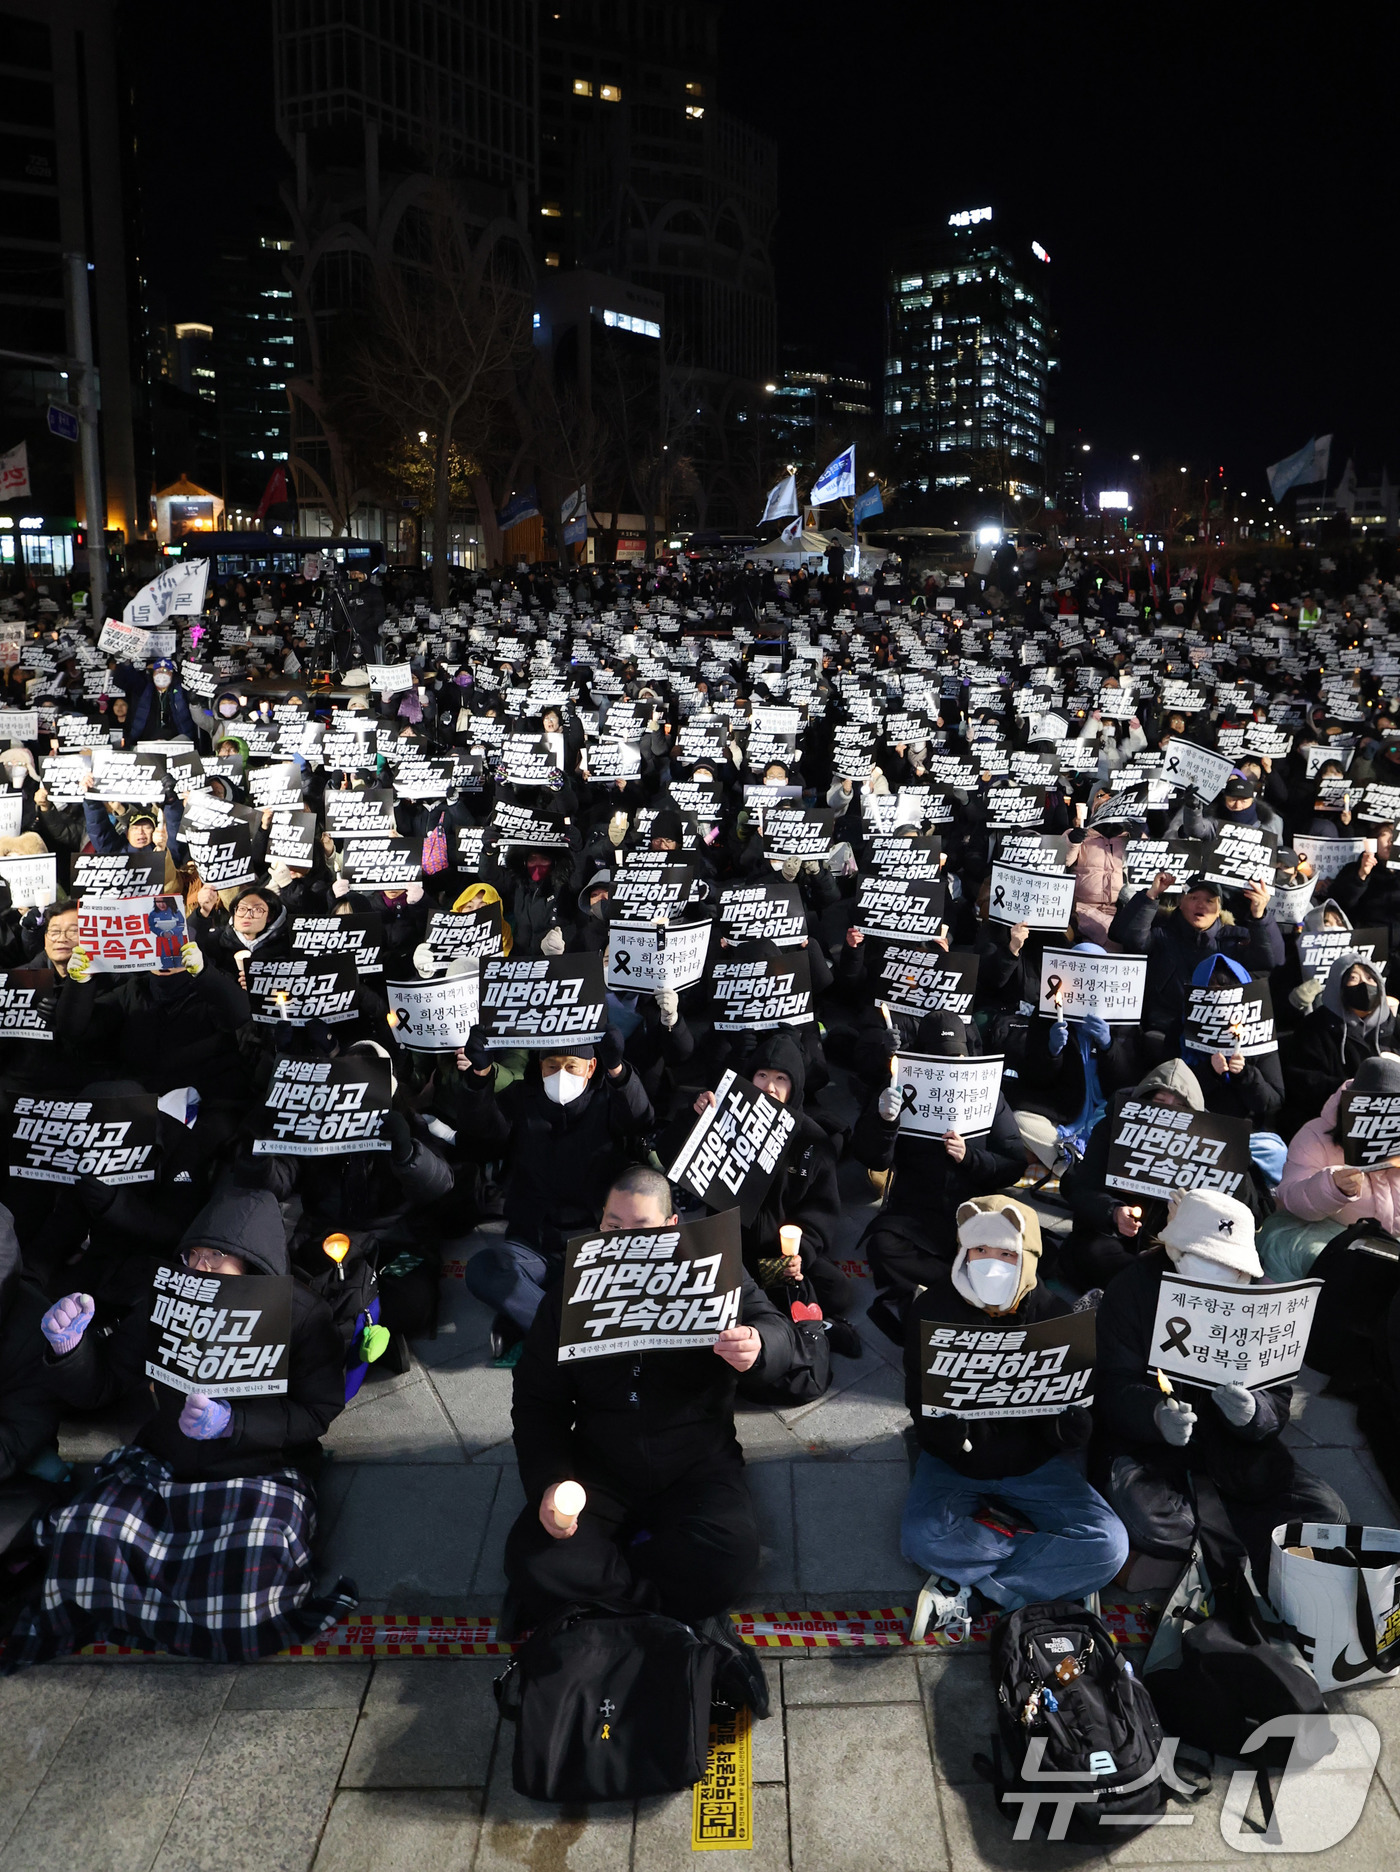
[
  {"x": 563, "y": 1087},
  {"x": 1199, "y": 1267},
  {"x": 994, "y": 1282},
  {"x": 161, "y": 679}
]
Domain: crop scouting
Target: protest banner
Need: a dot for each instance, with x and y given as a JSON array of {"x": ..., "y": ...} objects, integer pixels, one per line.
[
  {"x": 645, "y": 887},
  {"x": 222, "y": 855},
  {"x": 521, "y": 825},
  {"x": 1033, "y": 851},
  {"x": 941, "y": 1094},
  {"x": 735, "y": 1149},
  {"x": 389, "y": 678},
  {"x": 1319, "y": 949},
  {"x": 1328, "y": 856},
  {"x": 646, "y": 957},
  {"x": 919, "y": 981},
  {"x": 1154, "y": 1151},
  {"x": 11, "y": 814},
  {"x": 1189, "y": 765},
  {"x": 127, "y": 779},
  {"x": 1014, "y": 806},
  {"x": 1025, "y": 1371},
  {"x": 543, "y": 1002},
  {"x": 703, "y": 800},
  {"x": 297, "y": 990},
  {"x": 468, "y": 848},
  {"x": 348, "y": 751},
  {"x": 1216, "y": 1334},
  {"x": 528, "y": 760},
  {"x": 669, "y": 1289},
  {"x": 769, "y": 909},
  {"x": 1380, "y": 804},
  {"x": 359, "y": 936},
  {"x": 382, "y": 864},
  {"x": 132, "y": 873},
  {"x": 897, "y": 856},
  {"x": 750, "y": 997},
  {"x": 58, "y": 1140},
  {"x": 607, "y": 760},
  {"x": 33, "y": 881},
  {"x": 1237, "y": 1019},
  {"x": 903, "y": 907},
  {"x": 291, "y": 840},
  {"x": 359, "y": 815},
  {"x": 323, "y": 1108},
  {"x": 1041, "y": 900},
  {"x": 796, "y": 831},
  {"x": 435, "y": 1016},
  {"x": 1073, "y": 984},
  {"x": 223, "y": 1335},
  {"x": 1241, "y": 856},
  {"x": 419, "y": 779},
  {"x": 1290, "y": 903},
  {"x": 1144, "y": 858},
  {"x": 21, "y": 1015},
  {"x": 455, "y": 934},
  {"x": 131, "y": 935},
  {"x": 276, "y": 785},
  {"x": 1370, "y": 1126}
]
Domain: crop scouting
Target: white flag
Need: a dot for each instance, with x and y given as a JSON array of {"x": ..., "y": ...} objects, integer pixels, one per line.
[
  {"x": 178, "y": 590},
  {"x": 1309, "y": 463},
  {"x": 575, "y": 503},
  {"x": 782, "y": 501},
  {"x": 14, "y": 474},
  {"x": 837, "y": 480}
]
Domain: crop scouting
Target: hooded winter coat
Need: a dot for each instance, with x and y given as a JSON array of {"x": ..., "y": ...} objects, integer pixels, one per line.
[
  {"x": 804, "y": 1190},
  {"x": 1332, "y": 1042},
  {"x": 28, "y": 1412},
  {"x": 1174, "y": 949},
  {"x": 1308, "y": 1191},
  {"x": 1257, "y": 1092},
  {"x": 266, "y": 1433},
  {"x": 1098, "y": 878}
]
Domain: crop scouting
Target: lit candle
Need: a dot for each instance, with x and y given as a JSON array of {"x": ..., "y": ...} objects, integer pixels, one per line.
[
  {"x": 1164, "y": 1383},
  {"x": 337, "y": 1247},
  {"x": 570, "y": 1499}
]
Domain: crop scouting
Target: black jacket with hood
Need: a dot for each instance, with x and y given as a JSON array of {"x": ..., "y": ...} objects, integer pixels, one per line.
[
  {"x": 28, "y": 1411},
  {"x": 1334, "y": 1039},
  {"x": 1174, "y": 950},
  {"x": 266, "y": 1433},
  {"x": 804, "y": 1191}
]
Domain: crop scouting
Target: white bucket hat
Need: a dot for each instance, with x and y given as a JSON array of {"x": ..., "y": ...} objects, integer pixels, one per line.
[{"x": 1215, "y": 1227}]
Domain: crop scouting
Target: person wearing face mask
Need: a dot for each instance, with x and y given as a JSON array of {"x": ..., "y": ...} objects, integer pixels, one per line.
[
  {"x": 993, "y": 1504},
  {"x": 1147, "y": 1444},
  {"x": 19, "y": 777},
  {"x": 537, "y": 887},
  {"x": 563, "y": 1131},
  {"x": 1351, "y": 1020},
  {"x": 158, "y": 708}
]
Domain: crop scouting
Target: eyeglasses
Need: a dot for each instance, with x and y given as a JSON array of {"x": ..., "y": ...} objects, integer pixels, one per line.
[{"x": 564, "y": 1062}]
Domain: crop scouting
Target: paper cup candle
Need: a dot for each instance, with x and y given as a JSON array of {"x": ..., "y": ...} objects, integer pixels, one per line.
[
  {"x": 790, "y": 1239},
  {"x": 570, "y": 1499}
]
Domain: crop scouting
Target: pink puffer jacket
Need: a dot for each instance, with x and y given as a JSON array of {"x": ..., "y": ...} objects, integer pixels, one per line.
[
  {"x": 1307, "y": 1189},
  {"x": 1098, "y": 878}
]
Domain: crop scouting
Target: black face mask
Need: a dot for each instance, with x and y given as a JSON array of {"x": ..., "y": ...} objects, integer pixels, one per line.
[{"x": 1361, "y": 996}]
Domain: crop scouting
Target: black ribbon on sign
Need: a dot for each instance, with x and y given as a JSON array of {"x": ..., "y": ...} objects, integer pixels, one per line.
[
  {"x": 909, "y": 1096},
  {"x": 620, "y": 961},
  {"x": 1053, "y": 986},
  {"x": 999, "y": 896},
  {"x": 1174, "y": 763},
  {"x": 1178, "y": 1335}
]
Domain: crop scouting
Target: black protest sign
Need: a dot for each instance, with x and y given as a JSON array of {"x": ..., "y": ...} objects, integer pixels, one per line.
[
  {"x": 543, "y": 1002},
  {"x": 1025, "y": 1371},
  {"x": 21, "y": 1015},
  {"x": 919, "y": 981},
  {"x": 126, "y": 874},
  {"x": 1143, "y": 858},
  {"x": 1370, "y": 1126},
  {"x": 645, "y": 886},
  {"x": 291, "y": 840},
  {"x": 752, "y": 996},
  {"x": 1154, "y": 1151},
  {"x": 383, "y": 864},
  {"x": 359, "y": 815},
  {"x": 1380, "y": 804},
  {"x": 797, "y": 831},
  {"x": 703, "y": 800},
  {"x": 58, "y": 1140},
  {"x": 419, "y": 778},
  {"x": 670, "y": 1289},
  {"x": 301, "y": 990},
  {"x": 770, "y": 909},
  {"x": 1319, "y": 949},
  {"x": 895, "y": 857},
  {"x": 453, "y": 934},
  {"x": 224, "y": 1335},
  {"x": 609, "y": 760},
  {"x": 736, "y": 1149},
  {"x": 1014, "y": 806},
  {"x": 359, "y": 937},
  {"x": 222, "y": 855},
  {"x": 323, "y": 1108},
  {"x": 522, "y": 825},
  {"x": 1241, "y": 856},
  {"x": 907, "y": 907},
  {"x": 277, "y": 786},
  {"x": 1033, "y": 851},
  {"x": 529, "y": 760},
  {"x": 1235, "y": 1019}
]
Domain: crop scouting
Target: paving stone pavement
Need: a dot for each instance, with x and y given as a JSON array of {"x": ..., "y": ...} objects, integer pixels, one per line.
[{"x": 402, "y": 1766}]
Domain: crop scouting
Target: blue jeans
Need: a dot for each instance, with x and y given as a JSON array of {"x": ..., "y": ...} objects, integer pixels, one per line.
[
  {"x": 511, "y": 1278},
  {"x": 1077, "y": 1547}
]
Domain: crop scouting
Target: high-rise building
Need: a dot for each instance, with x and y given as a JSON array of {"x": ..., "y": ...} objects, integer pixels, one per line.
[
  {"x": 65, "y": 187},
  {"x": 254, "y": 348},
  {"x": 805, "y": 404},
  {"x": 969, "y": 352}
]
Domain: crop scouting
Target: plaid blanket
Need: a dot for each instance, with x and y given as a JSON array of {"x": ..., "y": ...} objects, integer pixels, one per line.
[{"x": 217, "y": 1570}]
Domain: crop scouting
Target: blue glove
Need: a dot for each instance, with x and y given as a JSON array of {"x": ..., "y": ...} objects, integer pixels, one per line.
[
  {"x": 205, "y": 1417},
  {"x": 67, "y": 1320},
  {"x": 1059, "y": 1038},
  {"x": 1097, "y": 1029}
]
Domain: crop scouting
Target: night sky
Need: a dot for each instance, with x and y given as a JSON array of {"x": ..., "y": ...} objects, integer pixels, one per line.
[{"x": 1220, "y": 211}]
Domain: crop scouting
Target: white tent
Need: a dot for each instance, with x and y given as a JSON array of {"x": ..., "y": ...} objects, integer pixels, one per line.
[{"x": 790, "y": 552}]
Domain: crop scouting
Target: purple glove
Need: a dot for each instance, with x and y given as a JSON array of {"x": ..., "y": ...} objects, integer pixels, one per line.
[
  {"x": 205, "y": 1417},
  {"x": 67, "y": 1320}
]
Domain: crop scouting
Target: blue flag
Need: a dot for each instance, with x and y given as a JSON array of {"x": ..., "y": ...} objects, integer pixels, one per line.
[
  {"x": 837, "y": 480},
  {"x": 525, "y": 506},
  {"x": 1309, "y": 464},
  {"x": 869, "y": 503}
]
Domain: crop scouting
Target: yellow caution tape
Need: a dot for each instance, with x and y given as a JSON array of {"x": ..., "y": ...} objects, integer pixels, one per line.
[{"x": 722, "y": 1812}]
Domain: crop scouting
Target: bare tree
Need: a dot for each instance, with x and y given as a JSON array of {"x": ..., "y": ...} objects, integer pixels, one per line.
[
  {"x": 446, "y": 337},
  {"x": 648, "y": 401}
]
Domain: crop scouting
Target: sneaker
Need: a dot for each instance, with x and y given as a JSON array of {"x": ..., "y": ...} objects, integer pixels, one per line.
[
  {"x": 942, "y": 1607},
  {"x": 506, "y": 1337}
]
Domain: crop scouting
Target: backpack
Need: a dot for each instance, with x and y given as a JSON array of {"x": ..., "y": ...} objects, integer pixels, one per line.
[
  {"x": 1360, "y": 1272},
  {"x": 809, "y": 1375},
  {"x": 609, "y": 1703},
  {"x": 1221, "y": 1662},
  {"x": 1069, "y": 1700}
]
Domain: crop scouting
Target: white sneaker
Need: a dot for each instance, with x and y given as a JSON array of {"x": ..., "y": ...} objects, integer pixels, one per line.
[{"x": 942, "y": 1607}]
